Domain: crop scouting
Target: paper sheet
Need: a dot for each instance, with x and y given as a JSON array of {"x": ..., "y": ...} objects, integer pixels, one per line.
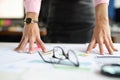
[{"x": 22, "y": 66}]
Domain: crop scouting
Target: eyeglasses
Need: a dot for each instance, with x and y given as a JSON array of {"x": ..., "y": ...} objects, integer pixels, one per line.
[{"x": 59, "y": 56}]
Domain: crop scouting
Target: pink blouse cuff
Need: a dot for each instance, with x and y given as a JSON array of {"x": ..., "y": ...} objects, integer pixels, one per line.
[
  {"x": 97, "y": 2},
  {"x": 32, "y": 5}
]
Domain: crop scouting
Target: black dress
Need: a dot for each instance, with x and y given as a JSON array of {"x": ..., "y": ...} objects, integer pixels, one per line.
[{"x": 70, "y": 21}]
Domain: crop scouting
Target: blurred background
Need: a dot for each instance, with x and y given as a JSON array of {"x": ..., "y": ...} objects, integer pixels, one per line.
[{"x": 12, "y": 15}]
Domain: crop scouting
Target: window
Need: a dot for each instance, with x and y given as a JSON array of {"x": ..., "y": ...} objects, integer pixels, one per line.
[{"x": 11, "y": 9}]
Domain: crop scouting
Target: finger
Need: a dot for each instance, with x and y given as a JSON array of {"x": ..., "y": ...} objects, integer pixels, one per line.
[
  {"x": 94, "y": 45},
  {"x": 19, "y": 44},
  {"x": 41, "y": 45},
  {"x": 38, "y": 45},
  {"x": 31, "y": 46},
  {"x": 100, "y": 43},
  {"x": 111, "y": 44},
  {"x": 108, "y": 46},
  {"x": 90, "y": 46},
  {"x": 22, "y": 45}
]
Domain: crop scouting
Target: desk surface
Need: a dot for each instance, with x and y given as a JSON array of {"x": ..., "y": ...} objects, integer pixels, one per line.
[{"x": 23, "y": 66}]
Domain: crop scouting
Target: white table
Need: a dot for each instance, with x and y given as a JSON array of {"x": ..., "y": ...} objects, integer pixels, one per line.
[{"x": 23, "y": 66}]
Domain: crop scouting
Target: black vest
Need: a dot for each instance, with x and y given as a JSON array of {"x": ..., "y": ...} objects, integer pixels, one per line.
[{"x": 68, "y": 11}]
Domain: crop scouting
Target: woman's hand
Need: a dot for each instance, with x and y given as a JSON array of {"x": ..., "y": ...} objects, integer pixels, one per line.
[
  {"x": 31, "y": 34},
  {"x": 101, "y": 34}
]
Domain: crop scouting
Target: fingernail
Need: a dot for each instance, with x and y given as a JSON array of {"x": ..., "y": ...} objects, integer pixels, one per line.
[
  {"x": 44, "y": 50},
  {"x": 116, "y": 49},
  {"x": 20, "y": 51},
  {"x": 111, "y": 53},
  {"x": 102, "y": 54},
  {"x": 87, "y": 52},
  {"x": 31, "y": 52}
]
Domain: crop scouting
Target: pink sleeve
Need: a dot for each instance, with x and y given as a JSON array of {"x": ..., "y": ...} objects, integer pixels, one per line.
[
  {"x": 32, "y": 5},
  {"x": 101, "y": 1}
]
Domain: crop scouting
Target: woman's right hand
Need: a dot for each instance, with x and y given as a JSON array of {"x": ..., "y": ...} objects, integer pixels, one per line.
[{"x": 31, "y": 35}]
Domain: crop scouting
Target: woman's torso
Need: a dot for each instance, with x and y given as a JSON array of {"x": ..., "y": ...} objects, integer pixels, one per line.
[{"x": 71, "y": 11}]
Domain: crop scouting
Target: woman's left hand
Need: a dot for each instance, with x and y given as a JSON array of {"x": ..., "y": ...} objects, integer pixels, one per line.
[{"x": 102, "y": 35}]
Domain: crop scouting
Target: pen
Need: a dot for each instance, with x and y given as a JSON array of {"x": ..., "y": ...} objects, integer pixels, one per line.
[{"x": 108, "y": 56}]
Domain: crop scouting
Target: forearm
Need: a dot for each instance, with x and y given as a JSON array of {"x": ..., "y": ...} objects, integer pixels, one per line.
[
  {"x": 101, "y": 15},
  {"x": 32, "y": 15},
  {"x": 32, "y": 8}
]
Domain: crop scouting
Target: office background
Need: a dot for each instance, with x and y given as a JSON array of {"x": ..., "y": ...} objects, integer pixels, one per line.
[{"x": 11, "y": 24}]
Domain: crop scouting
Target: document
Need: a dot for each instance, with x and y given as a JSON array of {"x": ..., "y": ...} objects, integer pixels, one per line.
[{"x": 24, "y": 66}]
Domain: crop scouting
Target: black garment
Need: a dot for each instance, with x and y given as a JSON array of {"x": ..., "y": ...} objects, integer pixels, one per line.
[{"x": 70, "y": 21}]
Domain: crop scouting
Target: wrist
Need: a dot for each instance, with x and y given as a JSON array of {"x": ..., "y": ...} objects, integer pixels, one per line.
[
  {"x": 102, "y": 21},
  {"x": 102, "y": 14},
  {"x": 30, "y": 20},
  {"x": 32, "y": 15}
]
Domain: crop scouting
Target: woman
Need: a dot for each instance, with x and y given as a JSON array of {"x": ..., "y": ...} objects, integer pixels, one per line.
[{"x": 73, "y": 19}]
